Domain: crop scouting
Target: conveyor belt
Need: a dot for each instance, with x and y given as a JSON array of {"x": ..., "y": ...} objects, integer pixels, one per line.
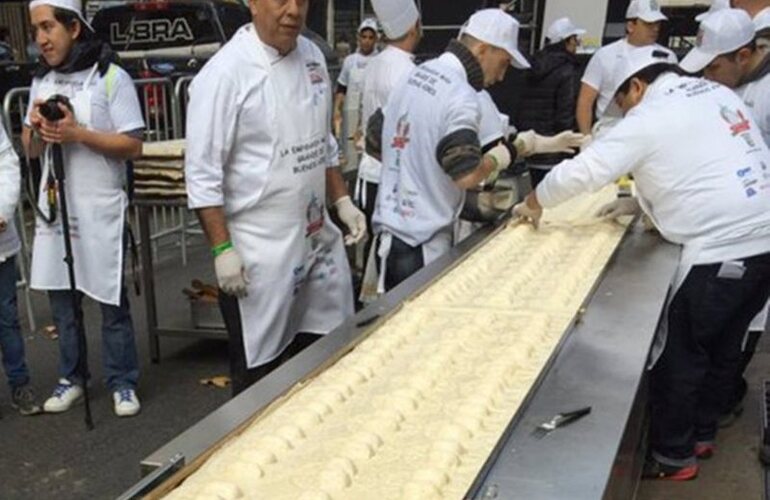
[{"x": 436, "y": 470}]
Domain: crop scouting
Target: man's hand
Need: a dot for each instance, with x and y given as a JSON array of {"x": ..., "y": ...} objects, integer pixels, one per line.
[
  {"x": 231, "y": 275},
  {"x": 501, "y": 158},
  {"x": 529, "y": 210},
  {"x": 35, "y": 118},
  {"x": 353, "y": 218},
  {"x": 619, "y": 208},
  {"x": 63, "y": 131},
  {"x": 3, "y": 225},
  {"x": 337, "y": 123},
  {"x": 530, "y": 143}
]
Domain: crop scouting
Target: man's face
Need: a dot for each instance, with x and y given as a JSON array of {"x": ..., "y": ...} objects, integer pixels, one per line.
[
  {"x": 54, "y": 39},
  {"x": 642, "y": 33},
  {"x": 366, "y": 40},
  {"x": 729, "y": 69},
  {"x": 572, "y": 43},
  {"x": 494, "y": 63},
  {"x": 279, "y": 22}
]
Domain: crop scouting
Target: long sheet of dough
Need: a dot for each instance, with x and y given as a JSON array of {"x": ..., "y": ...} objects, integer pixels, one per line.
[{"x": 415, "y": 409}]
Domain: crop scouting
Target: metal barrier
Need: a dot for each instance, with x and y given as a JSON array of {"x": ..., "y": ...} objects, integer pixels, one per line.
[
  {"x": 159, "y": 107},
  {"x": 182, "y": 94}
]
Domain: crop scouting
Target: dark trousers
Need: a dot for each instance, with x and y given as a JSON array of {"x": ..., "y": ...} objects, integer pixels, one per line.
[
  {"x": 699, "y": 368},
  {"x": 241, "y": 376},
  {"x": 404, "y": 260},
  {"x": 370, "y": 189}
]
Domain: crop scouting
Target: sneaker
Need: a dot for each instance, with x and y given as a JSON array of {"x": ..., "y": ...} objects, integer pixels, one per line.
[
  {"x": 23, "y": 400},
  {"x": 705, "y": 450},
  {"x": 654, "y": 469},
  {"x": 64, "y": 396},
  {"x": 126, "y": 402}
]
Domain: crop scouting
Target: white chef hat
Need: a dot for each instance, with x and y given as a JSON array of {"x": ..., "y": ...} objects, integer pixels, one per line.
[
  {"x": 639, "y": 58},
  {"x": 396, "y": 16},
  {"x": 720, "y": 33},
  {"x": 368, "y": 24},
  {"x": 499, "y": 29},
  {"x": 762, "y": 21},
  {"x": 646, "y": 10},
  {"x": 716, "y": 5},
  {"x": 561, "y": 29},
  {"x": 74, "y": 6}
]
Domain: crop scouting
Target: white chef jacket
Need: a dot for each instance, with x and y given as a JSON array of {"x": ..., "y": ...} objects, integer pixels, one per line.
[
  {"x": 701, "y": 168},
  {"x": 756, "y": 95},
  {"x": 383, "y": 73},
  {"x": 10, "y": 186},
  {"x": 352, "y": 74},
  {"x": 418, "y": 199},
  {"x": 601, "y": 74},
  {"x": 494, "y": 124}
]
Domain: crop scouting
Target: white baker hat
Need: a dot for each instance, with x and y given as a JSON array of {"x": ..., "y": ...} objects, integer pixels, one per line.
[
  {"x": 396, "y": 16},
  {"x": 716, "y": 5},
  {"x": 369, "y": 24},
  {"x": 639, "y": 58},
  {"x": 561, "y": 29},
  {"x": 646, "y": 10},
  {"x": 74, "y": 6},
  {"x": 720, "y": 33},
  {"x": 495, "y": 27},
  {"x": 762, "y": 21}
]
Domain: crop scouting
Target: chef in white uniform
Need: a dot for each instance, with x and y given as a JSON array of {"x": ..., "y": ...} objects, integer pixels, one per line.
[
  {"x": 260, "y": 171},
  {"x": 103, "y": 129},
  {"x": 11, "y": 339},
  {"x": 430, "y": 147},
  {"x": 702, "y": 180},
  {"x": 727, "y": 53},
  {"x": 400, "y": 21},
  {"x": 643, "y": 20},
  {"x": 350, "y": 83}
]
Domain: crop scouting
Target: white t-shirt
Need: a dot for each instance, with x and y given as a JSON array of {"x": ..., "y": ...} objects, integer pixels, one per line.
[
  {"x": 602, "y": 72},
  {"x": 756, "y": 95},
  {"x": 353, "y": 73},
  {"x": 417, "y": 198},
  {"x": 383, "y": 73},
  {"x": 10, "y": 180},
  {"x": 701, "y": 168}
]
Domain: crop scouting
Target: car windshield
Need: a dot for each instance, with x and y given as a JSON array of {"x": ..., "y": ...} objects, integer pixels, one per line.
[{"x": 152, "y": 25}]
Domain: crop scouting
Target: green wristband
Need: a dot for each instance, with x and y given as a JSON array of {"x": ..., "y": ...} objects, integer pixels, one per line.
[{"x": 222, "y": 248}]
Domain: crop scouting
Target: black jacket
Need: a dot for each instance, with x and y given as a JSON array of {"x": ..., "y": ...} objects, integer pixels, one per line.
[{"x": 549, "y": 97}]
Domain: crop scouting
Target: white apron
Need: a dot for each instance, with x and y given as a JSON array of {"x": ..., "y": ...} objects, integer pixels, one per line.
[
  {"x": 352, "y": 112},
  {"x": 294, "y": 255},
  {"x": 97, "y": 205}
]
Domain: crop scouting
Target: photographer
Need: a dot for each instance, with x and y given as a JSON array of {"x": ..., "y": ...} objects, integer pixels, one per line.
[{"x": 101, "y": 127}]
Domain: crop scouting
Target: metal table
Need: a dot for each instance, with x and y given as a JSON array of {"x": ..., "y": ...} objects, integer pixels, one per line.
[
  {"x": 154, "y": 330},
  {"x": 600, "y": 362}
]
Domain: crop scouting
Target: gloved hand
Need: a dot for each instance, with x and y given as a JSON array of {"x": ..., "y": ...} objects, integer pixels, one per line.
[
  {"x": 530, "y": 143},
  {"x": 3, "y": 225},
  {"x": 231, "y": 275},
  {"x": 524, "y": 211},
  {"x": 501, "y": 158},
  {"x": 619, "y": 208},
  {"x": 353, "y": 218},
  {"x": 587, "y": 140}
]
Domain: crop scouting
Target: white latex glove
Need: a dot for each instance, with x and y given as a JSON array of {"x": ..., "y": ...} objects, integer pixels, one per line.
[
  {"x": 231, "y": 275},
  {"x": 530, "y": 143},
  {"x": 619, "y": 208},
  {"x": 502, "y": 159},
  {"x": 353, "y": 218},
  {"x": 522, "y": 211},
  {"x": 3, "y": 225},
  {"x": 587, "y": 140}
]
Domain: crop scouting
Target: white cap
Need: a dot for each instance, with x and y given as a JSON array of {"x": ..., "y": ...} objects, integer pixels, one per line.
[
  {"x": 74, "y": 6},
  {"x": 646, "y": 10},
  {"x": 762, "y": 21},
  {"x": 369, "y": 24},
  {"x": 720, "y": 33},
  {"x": 639, "y": 58},
  {"x": 561, "y": 29},
  {"x": 716, "y": 5},
  {"x": 495, "y": 27},
  {"x": 396, "y": 16}
]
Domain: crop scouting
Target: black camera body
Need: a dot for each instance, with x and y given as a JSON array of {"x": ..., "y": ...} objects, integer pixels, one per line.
[{"x": 50, "y": 108}]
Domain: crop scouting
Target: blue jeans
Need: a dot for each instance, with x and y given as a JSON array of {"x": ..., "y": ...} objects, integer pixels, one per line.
[
  {"x": 11, "y": 341},
  {"x": 121, "y": 364}
]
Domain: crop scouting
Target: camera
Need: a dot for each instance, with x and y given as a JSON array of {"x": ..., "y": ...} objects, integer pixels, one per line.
[{"x": 50, "y": 108}]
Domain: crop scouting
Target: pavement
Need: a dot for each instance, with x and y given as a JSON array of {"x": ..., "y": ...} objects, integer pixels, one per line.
[{"x": 54, "y": 456}]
